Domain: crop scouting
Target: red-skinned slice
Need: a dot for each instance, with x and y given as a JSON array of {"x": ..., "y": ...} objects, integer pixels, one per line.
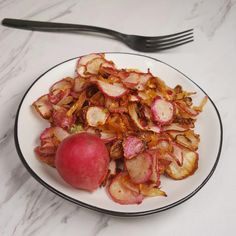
[
  {"x": 131, "y": 80},
  {"x": 84, "y": 60},
  {"x": 133, "y": 146},
  {"x": 162, "y": 111},
  {"x": 61, "y": 119},
  {"x": 175, "y": 127},
  {"x": 63, "y": 84},
  {"x": 93, "y": 66},
  {"x": 43, "y": 107},
  {"x": 134, "y": 116},
  {"x": 107, "y": 137},
  {"x": 139, "y": 167},
  {"x": 120, "y": 193},
  {"x": 115, "y": 90},
  {"x": 96, "y": 116},
  {"x": 190, "y": 165},
  {"x": 80, "y": 84}
]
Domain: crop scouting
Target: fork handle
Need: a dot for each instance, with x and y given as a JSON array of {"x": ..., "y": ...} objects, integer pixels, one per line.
[{"x": 57, "y": 27}]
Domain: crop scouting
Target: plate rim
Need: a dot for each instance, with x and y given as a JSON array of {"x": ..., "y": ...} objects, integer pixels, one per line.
[{"x": 102, "y": 210}]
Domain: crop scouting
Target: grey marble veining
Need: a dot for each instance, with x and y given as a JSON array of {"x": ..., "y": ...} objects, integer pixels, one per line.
[{"x": 26, "y": 207}]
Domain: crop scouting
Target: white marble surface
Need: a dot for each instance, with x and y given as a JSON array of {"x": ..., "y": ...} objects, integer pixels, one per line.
[{"x": 26, "y": 207}]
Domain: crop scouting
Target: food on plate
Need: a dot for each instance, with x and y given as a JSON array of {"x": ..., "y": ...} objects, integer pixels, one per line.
[
  {"x": 82, "y": 160},
  {"x": 120, "y": 128}
]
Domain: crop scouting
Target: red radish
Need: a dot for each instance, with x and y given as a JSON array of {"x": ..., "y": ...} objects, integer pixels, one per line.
[
  {"x": 139, "y": 167},
  {"x": 43, "y": 107},
  {"x": 132, "y": 146},
  {"x": 162, "y": 110},
  {"x": 120, "y": 193},
  {"x": 96, "y": 116},
  {"x": 82, "y": 161},
  {"x": 114, "y": 90}
]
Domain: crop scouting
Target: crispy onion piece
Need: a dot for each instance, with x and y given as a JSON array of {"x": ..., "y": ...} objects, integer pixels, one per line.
[{"x": 43, "y": 107}]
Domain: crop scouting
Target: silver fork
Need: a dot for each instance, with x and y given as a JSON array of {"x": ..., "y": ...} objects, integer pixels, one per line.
[{"x": 136, "y": 42}]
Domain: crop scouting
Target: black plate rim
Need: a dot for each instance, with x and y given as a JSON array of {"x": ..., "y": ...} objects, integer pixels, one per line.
[{"x": 101, "y": 210}]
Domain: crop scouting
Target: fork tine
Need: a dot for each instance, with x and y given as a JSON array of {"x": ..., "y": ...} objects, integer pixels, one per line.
[
  {"x": 169, "y": 35},
  {"x": 167, "y": 42},
  {"x": 162, "y": 40},
  {"x": 169, "y": 46}
]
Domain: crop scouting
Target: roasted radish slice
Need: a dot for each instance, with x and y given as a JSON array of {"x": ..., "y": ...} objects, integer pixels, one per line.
[
  {"x": 93, "y": 66},
  {"x": 79, "y": 84},
  {"x": 114, "y": 90},
  {"x": 116, "y": 150},
  {"x": 81, "y": 64},
  {"x": 189, "y": 166},
  {"x": 134, "y": 116},
  {"x": 131, "y": 80},
  {"x": 162, "y": 111},
  {"x": 139, "y": 167},
  {"x": 151, "y": 191},
  {"x": 96, "y": 116},
  {"x": 132, "y": 146},
  {"x": 188, "y": 139},
  {"x": 107, "y": 137},
  {"x": 120, "y": 193},
  {"x": 43, "y": 107}
]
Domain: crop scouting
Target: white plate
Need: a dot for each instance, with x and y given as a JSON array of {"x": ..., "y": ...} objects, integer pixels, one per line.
[{"x": 28, "y": 128}]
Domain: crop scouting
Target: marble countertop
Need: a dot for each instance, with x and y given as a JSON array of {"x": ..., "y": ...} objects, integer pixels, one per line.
[{"x": 26, "y": 207}]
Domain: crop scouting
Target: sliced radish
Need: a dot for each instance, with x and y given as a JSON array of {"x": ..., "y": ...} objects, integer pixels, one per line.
[
  {"x": 134, "y": 116},
  {"x": 139, "y": 167},
  {"x": 134, "y": 98},
  {"x": 114, "y": 90},
  {"x": 188, "y": 139},
  {"x": 162, "y": 111},
  {"x": 79, "y": 84},
  {"x": 155, "y": 176},
  {"x": 93, "y": 66},
  {"x": 112, "y": 168},
  {"x": 43, "y": 107},
  {"x": 116, "y": 150},
  {"x": 151, "y": 191},
  {"x": 107, "y": 137},
  {"x": 164, "y": 145},
  {"x": 143, "y": 79},
  {"x": 96, "y": 116},
  {"x": 131, "y": 80},
  {"x": 132, "y": 146},
  {"x": 60, "y": 133},
  {"x": 61, "y": 119},
  {"x": 81, "y": 64},
  {"x": 121, "y": 194},
  {"x": 63, "y": 84},
  {"x": 174, "y": 127},
  {"x": 189, "y": 166}
]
